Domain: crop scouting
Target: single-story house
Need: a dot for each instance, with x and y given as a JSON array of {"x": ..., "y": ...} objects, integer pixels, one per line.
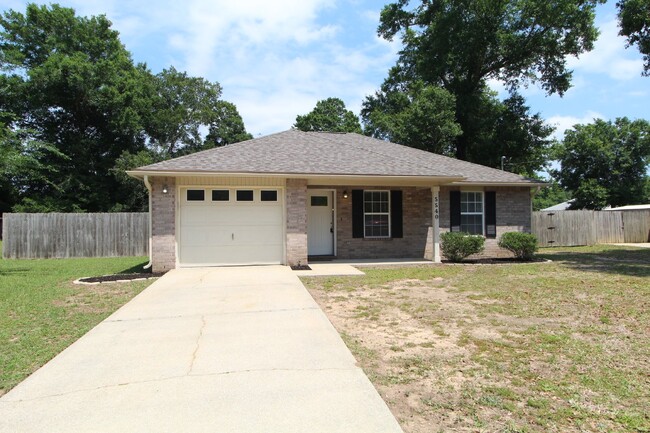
[{"x": 286, "y": 197}]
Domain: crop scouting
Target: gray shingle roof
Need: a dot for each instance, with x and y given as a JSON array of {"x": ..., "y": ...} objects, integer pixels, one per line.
[{"x": 320, "y": 153}]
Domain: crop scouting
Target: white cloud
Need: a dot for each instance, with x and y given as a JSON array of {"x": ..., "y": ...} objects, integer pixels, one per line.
[
  {"x": 274, "y": 59},
  {"x": 562, "y": 123},
  {"x": 609, "y": 56}
]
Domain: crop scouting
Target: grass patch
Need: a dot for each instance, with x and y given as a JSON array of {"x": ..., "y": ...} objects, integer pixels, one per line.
[
  {"x": 42, "y": 312},
  {"x": 561, "y": 346}
]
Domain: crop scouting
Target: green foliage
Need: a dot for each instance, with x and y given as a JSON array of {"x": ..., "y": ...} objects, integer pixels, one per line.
[
  {"x": 460, "y": 44},
  {"x": 522, "y": 245},
  {"x": 181, "y": 106},
  {"x": 76, "y": 111},
  {"x": 605, "y": 163},
  {"x": 420, "y": 116},
  {"x": 71, "y": 84},
  {"x": 226, "y": 126},
  {"x": 457, "y": 246},
  {"x": 634, "y": 20},
  {"x": 329, "y": 115},
  {"x": 550, "y": 196}
]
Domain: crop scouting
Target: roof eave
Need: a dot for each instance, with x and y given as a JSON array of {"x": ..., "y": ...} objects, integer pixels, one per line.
[
  {"x": 438, "y": 180},
  {"x": 530, "y": 184}
]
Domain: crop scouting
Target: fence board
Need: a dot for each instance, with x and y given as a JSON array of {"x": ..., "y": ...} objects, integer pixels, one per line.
[
  {"x": 637, "y": 225},
  {"x": 59, "y": 235},
  {"x": 585, "y": 227}
]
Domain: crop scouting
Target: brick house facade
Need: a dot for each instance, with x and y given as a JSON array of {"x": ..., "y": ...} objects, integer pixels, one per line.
[{"x": 248, "y": 203}]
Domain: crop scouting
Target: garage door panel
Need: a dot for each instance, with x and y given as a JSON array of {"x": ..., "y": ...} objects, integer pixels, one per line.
[
  {"x": 221, "y": 233},
  {"x": 207, "y": 216}
]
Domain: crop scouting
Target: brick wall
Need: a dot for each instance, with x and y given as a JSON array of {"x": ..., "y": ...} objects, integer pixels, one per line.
[
  {"x": 296, "y": 200},
  {"x": 416, "y": 203},
  {"x": 163, "y": 223},
  {"x": 513, "y": 215}
]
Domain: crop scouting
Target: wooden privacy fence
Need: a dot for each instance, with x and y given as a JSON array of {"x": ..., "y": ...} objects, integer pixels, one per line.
[
  {"x": 61, "y": 235},
  {"x": 586, "y": 227}
]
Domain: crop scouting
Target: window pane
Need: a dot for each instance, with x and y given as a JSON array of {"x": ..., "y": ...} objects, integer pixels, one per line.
[
  {"x": 472, "y": 224},
  {"x": 220, "y": 195},
  {"x": 376, "y": 225},
  {"x": 244, "y": 195},
  {"x": 195, "y": 195},
  {"x": 319, "y": 201},
  {"x": 269, "y": 196}
]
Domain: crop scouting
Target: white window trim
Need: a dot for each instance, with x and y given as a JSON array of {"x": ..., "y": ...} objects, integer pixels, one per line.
[
  {"x": 482, "y": 213},
  {"x": 376, "y": 213}
]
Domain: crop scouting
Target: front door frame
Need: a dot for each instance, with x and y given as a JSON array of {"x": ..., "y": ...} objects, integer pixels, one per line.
[{"x": 333, "y": 196}]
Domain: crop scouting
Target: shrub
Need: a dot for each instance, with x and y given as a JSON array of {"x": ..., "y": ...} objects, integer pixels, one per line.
[
  {"x": 457, "y": 245},
  {"x": 522, "y": 245}
]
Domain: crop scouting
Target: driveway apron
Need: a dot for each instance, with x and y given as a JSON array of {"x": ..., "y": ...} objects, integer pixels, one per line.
[{"x": 241, "y": 349}]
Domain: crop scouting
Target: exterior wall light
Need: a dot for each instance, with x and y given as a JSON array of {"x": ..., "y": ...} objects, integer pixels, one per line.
[
  {"x": 164, "y": 190},
  {"x": 345, "y": 193}
]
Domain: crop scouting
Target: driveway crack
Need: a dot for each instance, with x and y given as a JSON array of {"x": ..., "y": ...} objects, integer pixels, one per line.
[{"x": 197, "y": 346}]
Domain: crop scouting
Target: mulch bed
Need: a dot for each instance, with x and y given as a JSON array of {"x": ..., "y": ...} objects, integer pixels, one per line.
[
  {"x": 120, "y": 277},
  {"x": 492, "y": 261},
  {"x": 300, "y": 268}
]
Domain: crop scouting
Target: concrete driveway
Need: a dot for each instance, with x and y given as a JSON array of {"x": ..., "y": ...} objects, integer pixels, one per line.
[{"x": 204, "y": 350}]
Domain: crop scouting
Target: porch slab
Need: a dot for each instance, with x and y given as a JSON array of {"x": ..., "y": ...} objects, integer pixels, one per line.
[
  {"x": 329, "y": 269},
  {"x": 385, "y": 262}
]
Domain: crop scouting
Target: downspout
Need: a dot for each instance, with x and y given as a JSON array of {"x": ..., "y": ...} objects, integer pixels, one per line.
[{"x": 148, "y": 185}]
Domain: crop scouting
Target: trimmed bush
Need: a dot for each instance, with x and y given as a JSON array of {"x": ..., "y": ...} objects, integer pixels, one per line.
[
  {"x": 457, "y": 245},
  {"x": 522, "y": 245}
]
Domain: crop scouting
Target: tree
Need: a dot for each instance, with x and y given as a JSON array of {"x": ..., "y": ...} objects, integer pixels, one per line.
[
  {"x": 226, "y": 126},
  {"x": 634, "y": 20},
  {"x": 329, "y": 115},
  {"x": 75, "y": 112},
  {"x": 459, "y": 44},
  {"x": 181, "y": 106},
  {"x": 72, "y": 89},
  {"x": 423, "y": 116},
  {"x": 420, "y": 116},
  {"x": 550, "y": 196},
  {"x": 605, "y": 163}
]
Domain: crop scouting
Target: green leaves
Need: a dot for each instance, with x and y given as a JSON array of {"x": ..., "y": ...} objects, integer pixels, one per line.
[
  {"x": 460, "y": 44},
  {"x": 329, "y": 115},
  {"x": 634, "y": 19},
  {"x": 605, "y": 163},
  {"x": 421, "y": 117},
  {"x": 75, "y": 110}
]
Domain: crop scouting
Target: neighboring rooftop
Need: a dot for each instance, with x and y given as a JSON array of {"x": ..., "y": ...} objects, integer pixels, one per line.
[
  {"x": 631, "y": 207},
  {"x": 296, "y": 152}
]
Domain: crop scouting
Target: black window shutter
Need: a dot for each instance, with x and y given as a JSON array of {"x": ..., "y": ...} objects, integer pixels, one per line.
[
  {"x": 454, "y": 211},
  {"x": 396, "y": 229},
  {"x": 490, "y": 214},
  {"x": 357, "y": 213}
]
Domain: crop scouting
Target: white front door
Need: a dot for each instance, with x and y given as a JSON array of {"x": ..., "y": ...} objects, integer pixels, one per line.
[{"x": 320, "y": 223}]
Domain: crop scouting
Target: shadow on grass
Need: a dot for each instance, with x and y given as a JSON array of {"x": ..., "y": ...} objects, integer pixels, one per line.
[
  {"x": 612, "y": 261},
  {"x": 137, "y": 269},
  {"x": 14, "y": 271}
]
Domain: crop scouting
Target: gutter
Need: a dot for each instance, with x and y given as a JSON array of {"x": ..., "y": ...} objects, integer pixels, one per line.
[{"x": 148, "y": 185}]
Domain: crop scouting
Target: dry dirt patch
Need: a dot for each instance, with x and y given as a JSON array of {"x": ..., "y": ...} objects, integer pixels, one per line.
[{"x": 485, "y": 348}]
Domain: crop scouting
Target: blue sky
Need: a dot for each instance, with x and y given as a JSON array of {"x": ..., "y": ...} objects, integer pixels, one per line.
[{"x": 276, "y": 59}]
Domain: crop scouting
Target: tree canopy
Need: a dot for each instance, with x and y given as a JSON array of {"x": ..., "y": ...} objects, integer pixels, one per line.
[
  {"x": 329, "y": 115},
  {"x": 75, "y": 108},
  {"x": 634, "y": 20},
  {"x": 605, "y": 163},
  {"x": 460, "y": 44}
]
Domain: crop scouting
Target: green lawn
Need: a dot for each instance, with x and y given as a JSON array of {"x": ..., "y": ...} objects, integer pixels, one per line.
[
  {"x": 539, "y": 347},
  {"x": 42, "y": 312}
]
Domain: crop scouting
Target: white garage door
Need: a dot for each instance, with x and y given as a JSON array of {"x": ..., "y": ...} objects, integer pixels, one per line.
[{"x": 220, "y": 226}]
